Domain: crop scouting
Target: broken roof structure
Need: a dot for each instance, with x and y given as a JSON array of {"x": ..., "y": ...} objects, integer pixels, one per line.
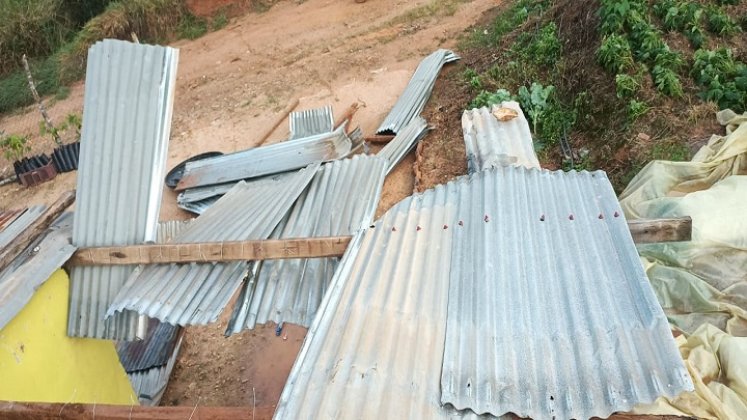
[
  {"x": 128, "y": 102},
  {"x": 453, "y": 293}
]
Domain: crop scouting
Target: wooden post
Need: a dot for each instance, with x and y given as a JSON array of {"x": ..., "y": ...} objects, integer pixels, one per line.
[
  {"x": 333, "y": 246},
  {"x": 347, "y": 116},
  {"x": 42, "y": 109},
  {"x": 23, "y": 240},
  {"x": 283, "y": 115}
]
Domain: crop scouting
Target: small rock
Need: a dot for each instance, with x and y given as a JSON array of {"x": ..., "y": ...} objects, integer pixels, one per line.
[{"x": 644, "y": 136}]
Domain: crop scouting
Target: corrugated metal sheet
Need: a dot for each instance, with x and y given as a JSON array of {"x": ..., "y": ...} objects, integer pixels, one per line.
[
  {"x": 169, "y": 229},
  {"x": 491, "y": 143},
  {"x": 275, "y": 158},
  {"x": 376, "y": 349},
  {"x": 550, "y": 312},
  {"x": 199, "y": 207},
  {"x": 405, "y": 140},
  {"x": 34, "y": 266},
  {"x": 311, "y": 122},
  {"x": 341, "y": 200},
  {"x": 20, "y": 224},
  {"x": 149, "y": 385},
  {"x": 152, "y": 351},
  {"x": 195, "y": 294},
  {"x": 412, "y": 101},
  {"x": 128, "y": 102},
  {"x": 8, "y": 216}
]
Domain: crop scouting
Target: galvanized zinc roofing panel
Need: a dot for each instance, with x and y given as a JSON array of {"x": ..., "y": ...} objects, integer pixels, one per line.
[
  {"x": 266, "y": 160},
  {"x": 20, "y": 224},
  {"x": 340, "y": 200},
  {"x": 412, "y": 101},
  {"x": 311, "y": 122},
  {"x": 492, "y": 143},
  {"x": 152, "y": 351},
  {"x": 195, "y": 294},
  {"x": 403, "y": 142},
  {"x": 550, "y": 312},
  {"x": 9, "y": 216},
  {"x": 128, "y": 103},
  {"x": 34, "y": 266},
  {"x": 376, "y": 347},
  {"x": 150, "y": 384}
]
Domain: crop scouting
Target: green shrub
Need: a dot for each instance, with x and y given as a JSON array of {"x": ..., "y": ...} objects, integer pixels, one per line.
[
  {"x": 666, "y": 81},
  {"x": 488, "y": 99},
  {"x": 626, "y": 85},
  {"x": 723, "y": 79},
  {"x": 615, "y": 54}
]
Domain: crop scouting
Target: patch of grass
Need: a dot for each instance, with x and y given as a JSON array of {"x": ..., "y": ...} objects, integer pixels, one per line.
[
  {"x": 487, "y": 99},
  {"x": 670, "y": 150},
  {"x": 192, "y": 27},
  {"x": 432, "y": 9},
  {"x": 220, "y": 20},
  {"x": 62, "y": 93}
]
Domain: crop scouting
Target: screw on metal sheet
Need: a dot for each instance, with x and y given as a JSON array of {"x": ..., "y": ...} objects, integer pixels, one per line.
[
  {"x": 372, "y": 226},
  {"x": 461, "y": 223},
  {"x": 418, "y": 228},
  {"x": 394, "y": 229},
  {"x": 487, "y": 219},
  {"x": 542, "y": 218},
  {"x": 617, "y": 214},
  {"x": 601, "y": 216},
  {"x": 446, "y": 227},
  {"x": 570, "y": 217},
  {"x": 36, "y": 249}
]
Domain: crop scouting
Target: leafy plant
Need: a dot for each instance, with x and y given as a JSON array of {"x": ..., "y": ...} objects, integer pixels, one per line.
[
  {"x": 723, "y": 78},
  {"x": 192, "y": 27},
  {"x": 473, "y": 79},
  {"x": 486, "y": 98},
  {"x": 636, "y": 109},
  {"x": 615, "y": 54},
  {"x": 550, "y": 119},
  {"x": 720, "y": 23},
  {"x": 545, "y": 46},
  {"x": 626, "y": 85},
  {"x": 535, "y": 101},
  {"x": 666, "y": 81},
  {"x": 220, "y": 20},
  {"x": 14, "y": 146}
]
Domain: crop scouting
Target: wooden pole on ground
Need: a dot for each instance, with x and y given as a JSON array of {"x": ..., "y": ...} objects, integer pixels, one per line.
[
  {"x": 42, "y": 109},
  {"x": 283, "y": 115},
  {"x": 23, "y": 240}
]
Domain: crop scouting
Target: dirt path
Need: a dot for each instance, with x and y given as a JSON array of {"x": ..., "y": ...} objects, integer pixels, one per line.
[{"x": 231, "y": 83}]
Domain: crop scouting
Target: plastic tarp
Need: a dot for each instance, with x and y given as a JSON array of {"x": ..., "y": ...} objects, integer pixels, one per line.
[{"x": 702, "y": 284}]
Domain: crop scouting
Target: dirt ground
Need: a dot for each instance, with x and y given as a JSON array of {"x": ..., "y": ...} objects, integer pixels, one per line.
[{"x": 231, "y": 86}]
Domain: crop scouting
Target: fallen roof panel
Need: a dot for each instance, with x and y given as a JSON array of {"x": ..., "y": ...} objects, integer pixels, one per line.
[
  {"x": 152, "y": 351},
  {"x": 492, "y": 143},
  {"x": 403, "y": 142},
  {"x": 195, "y": 294},
  {"x": 311, "y": 122},
  {"x": 377, "y": 344},
  {"x": 8, "y": 216},
  {"x": 128, "y": 103},
  {"x": 340, "y": 200},
  {"x": 275, "y": 158},
  {"x": 412, "y": 101},
  {"x": 20, "y": 224}
]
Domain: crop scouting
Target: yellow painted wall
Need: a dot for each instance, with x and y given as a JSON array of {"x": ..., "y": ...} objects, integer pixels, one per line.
[{"x": 39, "y": 362}]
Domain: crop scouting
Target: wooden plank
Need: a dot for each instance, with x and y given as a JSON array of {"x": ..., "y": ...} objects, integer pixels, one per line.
[
  {"x": 645, "y": 231},
  {"x": 44, "y": 411},
  {"x": 379, "y": 138},
  {"x": 215, "y": 251},
  {"x": 347, "y": 116},
  {"x": 17, "y": 246},
  {"x": 280, "y": 118}
]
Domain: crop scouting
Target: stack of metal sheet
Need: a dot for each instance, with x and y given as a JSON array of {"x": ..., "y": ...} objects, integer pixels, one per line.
[
  {"x": 412, "y": 101},
  {"x": 512, "y": 290},
  {"x": 403, "y": 142},
  {"x": 340, "y": 200},
  {"x": 195, "y": 294},
  {"x": 128, "y": 103},
  {"x": 311, "y": 122},
  {"x": 498, "y": 136}
]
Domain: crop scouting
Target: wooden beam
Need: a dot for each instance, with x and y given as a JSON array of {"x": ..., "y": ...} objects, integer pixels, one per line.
[
  {"x": 347, "y": 116},
  {"x": 215, "y": 251},
  {"x": 24, "y": 239},
  {"x": 280, "y": 118},
  {"x": 44, "y": 411},
  {"x": 379, "y": 138},
  {"x": 645, "y": 231}
]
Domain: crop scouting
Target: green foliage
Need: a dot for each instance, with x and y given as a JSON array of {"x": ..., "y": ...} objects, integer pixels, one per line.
[
  {"x": 508, "y": 21},
  {"x": 617, "y": 16},
  {"x": 615, "y": 54},
  {"x": 14, "y": 88},
  {"x": 550, "y": 119},
  {"x": 544, "y": 46},
  {"x": 220, "y": 20},
  {"x": 673, "y": 151},
  {"x": 720, "y": 23},
  {"x": 71, "y": 122},
  {"x": 626, "y": 85},
  {"x": 486, "y": 98},
  {"x": 192, "y": 27},
  {"x": 724, "y": 79},
  {"x": 666, "y": 81},
  {"x": 472, "y": 78},
  {"x": 636, "y": 109},
  {"x": 14, "y": 146}
]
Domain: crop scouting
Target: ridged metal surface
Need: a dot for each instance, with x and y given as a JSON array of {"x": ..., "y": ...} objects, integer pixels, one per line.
[
  {"x": 20, "y": 224},
  {"x": 199, "y": 207},
  {"x": 128, "y": 103},
  {"x": 311, "y": 122},
  {"x": 403, "y": 142},
  {"x": 412, "y": 101},
  {"x": 169, "y": 229},
  {"x": 380, "y": 342},
  {"x": 34, "y": 266},
  {"x": 275, "y": 158},
  {"x": 152, "y": 351},
  {"x": 340, "y": 200},
  {"x": 195, "y": 294},
  {"x": 9, "y": 216},
  {"x": 150, "y": 384},
  {"x": 491, "y": 143}
]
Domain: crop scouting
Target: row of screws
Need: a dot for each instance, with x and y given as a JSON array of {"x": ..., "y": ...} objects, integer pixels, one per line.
[{"x": 487, "y": 219}]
